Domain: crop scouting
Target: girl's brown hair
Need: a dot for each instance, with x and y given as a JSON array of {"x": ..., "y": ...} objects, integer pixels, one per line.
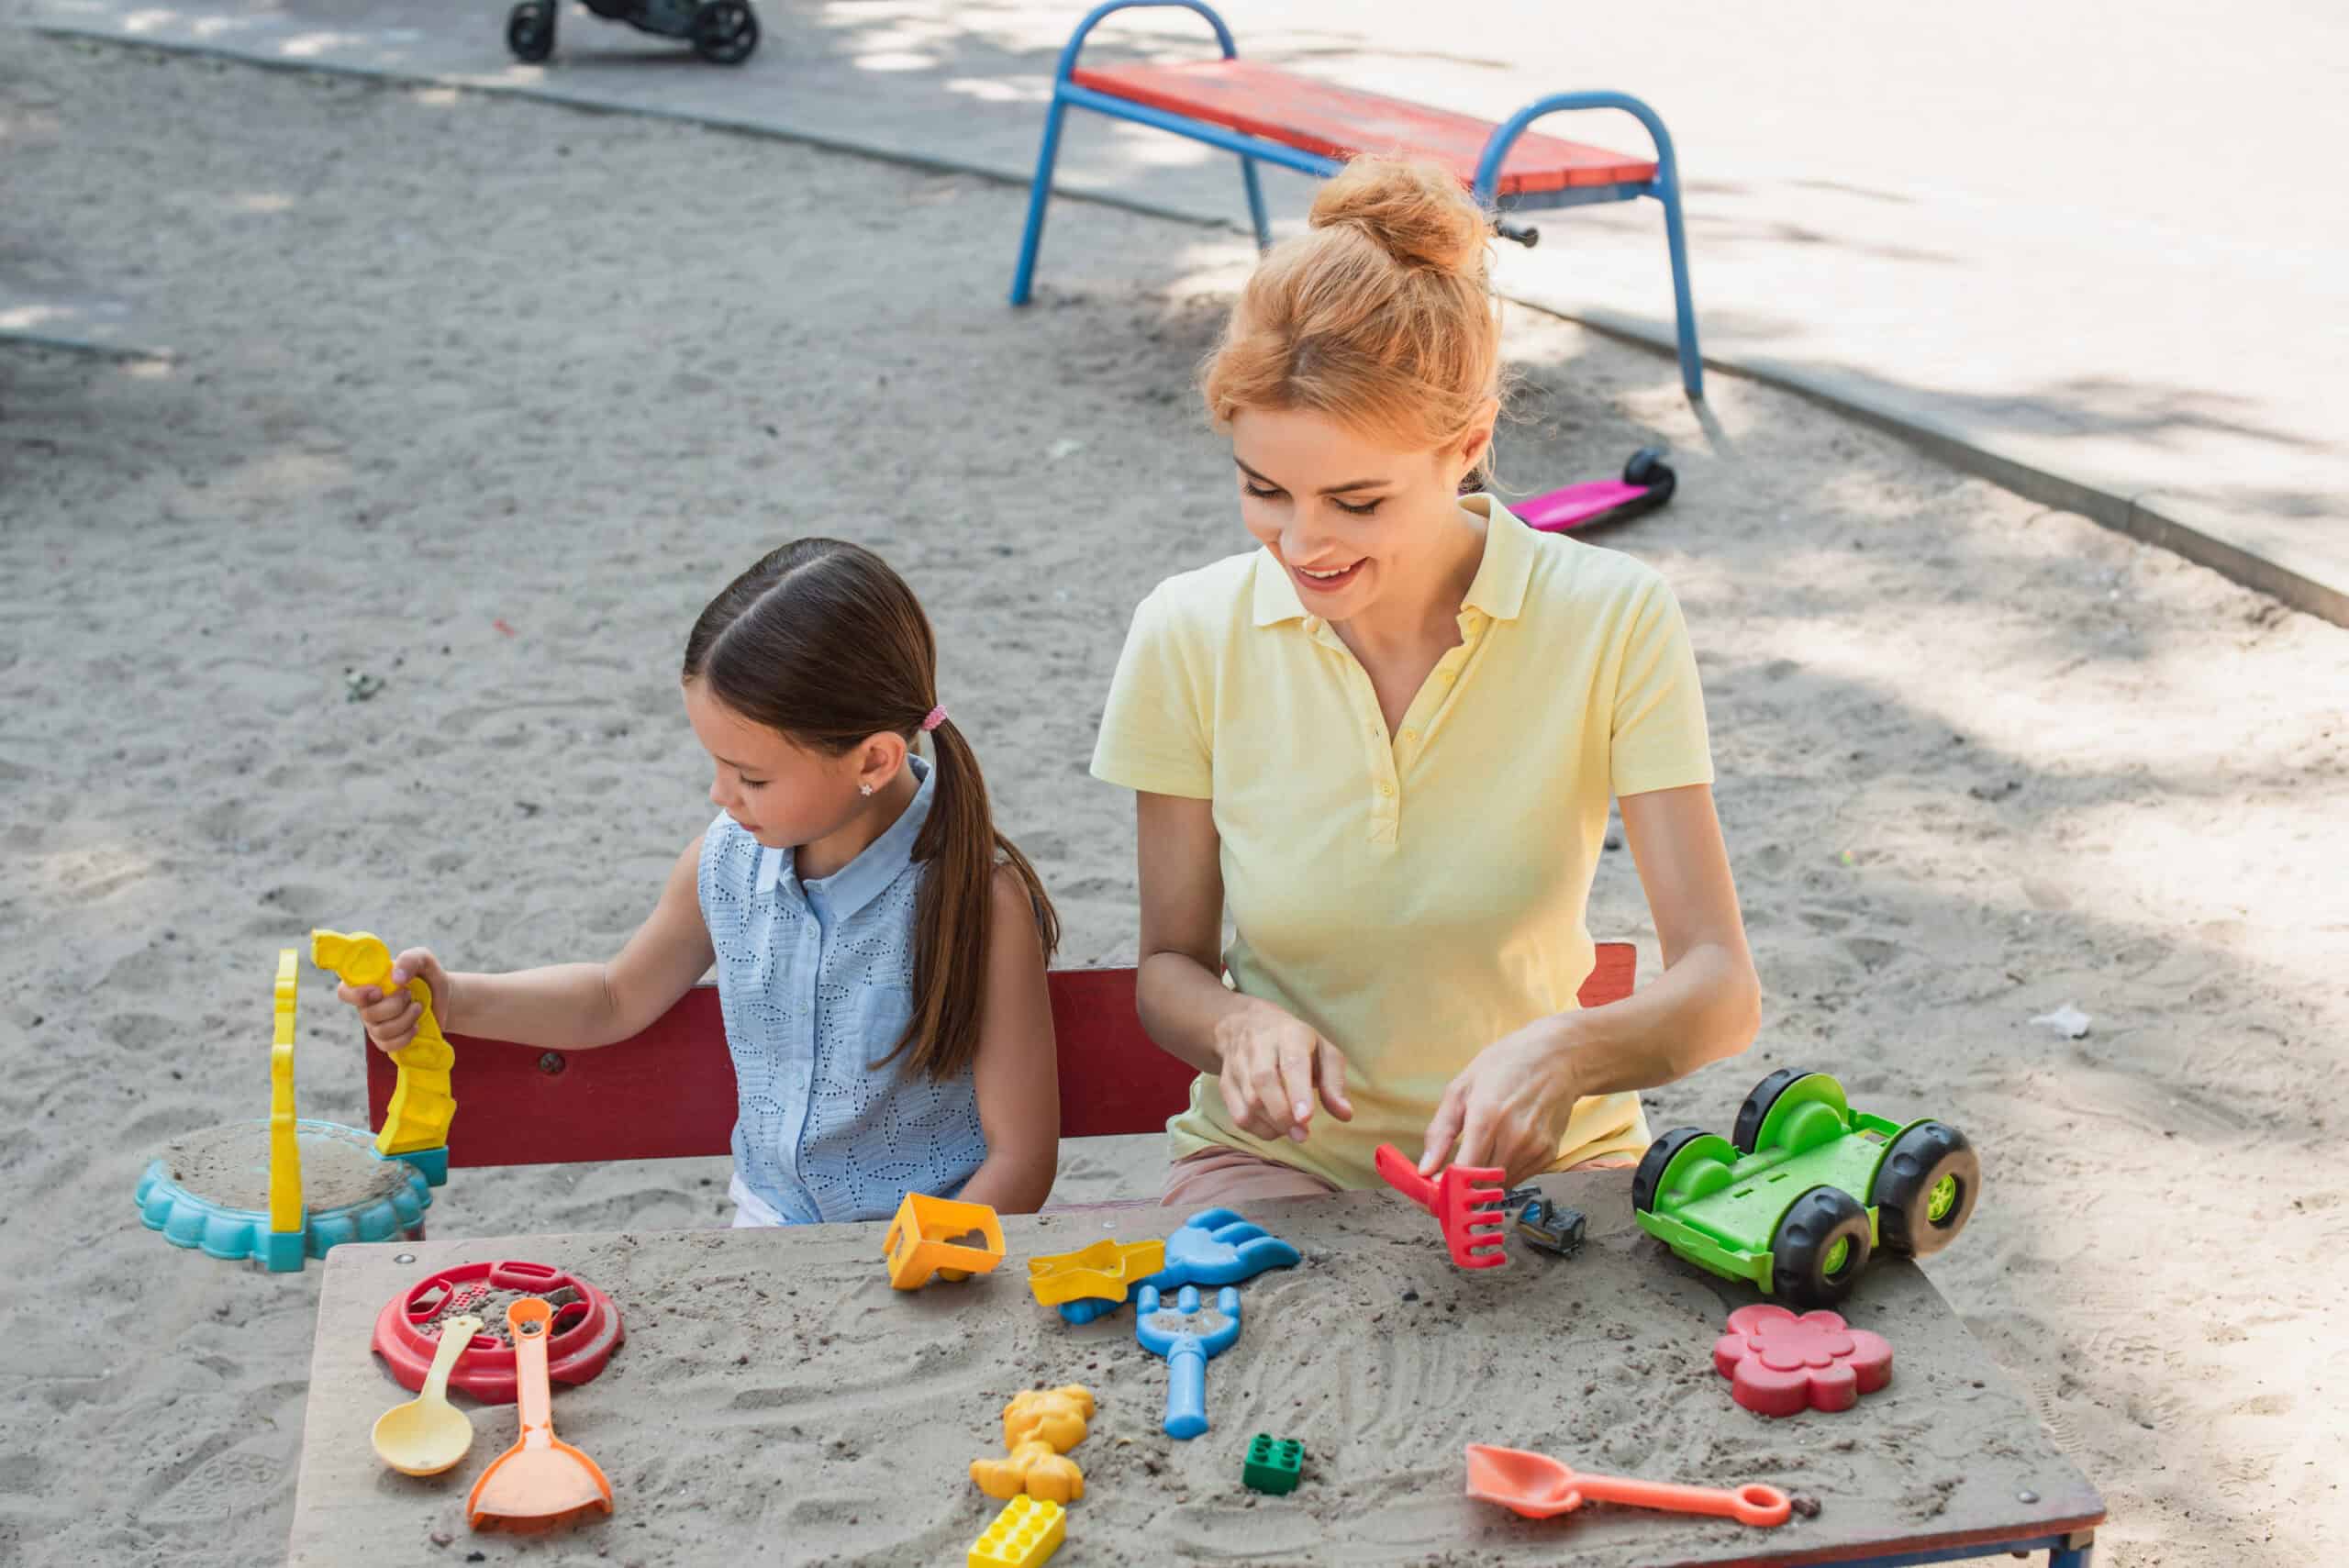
[
  {"x": 823, "y": 642},
  {"x": 1382, "y": 314}
]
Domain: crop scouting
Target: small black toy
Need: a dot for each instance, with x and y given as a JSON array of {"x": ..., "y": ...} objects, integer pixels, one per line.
[
  {"x": 1555, "y": 1230},
  {"x": 724, "y": 32}
]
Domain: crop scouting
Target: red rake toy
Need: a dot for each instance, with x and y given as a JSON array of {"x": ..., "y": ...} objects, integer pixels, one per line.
[{"x": 1464, "y": 1199}]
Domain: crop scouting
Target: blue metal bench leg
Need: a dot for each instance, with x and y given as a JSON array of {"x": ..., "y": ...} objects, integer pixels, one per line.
[
  {"x": 2081, "y": 1556},
  {"x": 1664, "y": 188},
  {"x": 1040, "y": 195},
  {"x": 1257, "y": 202},
  {"x": 1676, "y": 237}
]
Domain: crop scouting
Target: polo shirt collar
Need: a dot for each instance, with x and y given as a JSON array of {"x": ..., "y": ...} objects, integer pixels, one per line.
[
  {"x": 1497, "y": 589},
  {"x": 878, "y": 865}
]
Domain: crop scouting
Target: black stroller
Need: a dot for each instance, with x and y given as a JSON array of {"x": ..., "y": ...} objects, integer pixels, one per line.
[{"x": 723, "y": 31}]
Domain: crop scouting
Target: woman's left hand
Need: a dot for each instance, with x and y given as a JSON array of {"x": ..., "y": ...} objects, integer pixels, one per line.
[{"x": 1509, "y": 1107}]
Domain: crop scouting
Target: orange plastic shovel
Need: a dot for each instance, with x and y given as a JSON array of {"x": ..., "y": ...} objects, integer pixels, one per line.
[
  {"x": 541, "y": 1477},
  {"x": 1540, "y": 1487}
]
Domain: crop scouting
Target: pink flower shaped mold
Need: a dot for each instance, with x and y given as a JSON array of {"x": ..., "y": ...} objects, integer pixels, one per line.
[{"x": 1779, "y": 1364}]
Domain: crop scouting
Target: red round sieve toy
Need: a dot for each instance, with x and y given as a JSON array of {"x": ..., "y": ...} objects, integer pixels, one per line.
[{"x": 585, "y": 1332}]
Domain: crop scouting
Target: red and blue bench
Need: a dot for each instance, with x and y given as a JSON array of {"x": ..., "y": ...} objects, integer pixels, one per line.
[
  {"x": 668, "y": 1093},
  {"x": 1271, "y": 116}
]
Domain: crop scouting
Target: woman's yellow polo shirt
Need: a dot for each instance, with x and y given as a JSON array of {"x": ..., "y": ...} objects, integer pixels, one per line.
[{"x": 1413, "y": 896}]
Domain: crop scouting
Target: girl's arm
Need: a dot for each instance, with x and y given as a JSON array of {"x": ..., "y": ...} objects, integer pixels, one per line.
[
  {"x": 570, "y": 1007},
  {"x": 1017, "y": 1070},
  {"x": 1510, "y": 1106},
  {"x": 1267, "y": 1063}
]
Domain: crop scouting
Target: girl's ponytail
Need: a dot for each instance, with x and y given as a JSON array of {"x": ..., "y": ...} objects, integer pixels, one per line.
[
  {"x": 823, "y": 642},
  {"x": 953, "y": 919}
]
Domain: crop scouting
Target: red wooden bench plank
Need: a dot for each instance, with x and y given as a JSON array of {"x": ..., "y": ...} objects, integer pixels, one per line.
[
  {"x": 669, "y": 1092},
  {"x": 1340, "y": 122}
]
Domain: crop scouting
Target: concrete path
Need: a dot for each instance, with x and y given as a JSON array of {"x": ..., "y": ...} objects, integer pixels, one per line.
[{"x": 2093, "y": 251}]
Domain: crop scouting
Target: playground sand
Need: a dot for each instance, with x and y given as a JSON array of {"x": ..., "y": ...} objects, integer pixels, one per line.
[{"x": 481, "y": 400}]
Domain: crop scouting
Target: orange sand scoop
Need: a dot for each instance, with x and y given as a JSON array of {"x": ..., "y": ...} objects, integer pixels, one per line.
[
  {"x": 541, "y": 1477},
  {"x": 1540, "y": 1488}
]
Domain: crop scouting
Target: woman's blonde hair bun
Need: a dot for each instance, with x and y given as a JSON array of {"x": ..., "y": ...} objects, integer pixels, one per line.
[{"x": 1414, "y": 210}]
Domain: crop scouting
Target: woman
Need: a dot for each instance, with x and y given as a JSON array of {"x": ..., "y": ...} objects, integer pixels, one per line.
[{"x": 1384, "y": 745}]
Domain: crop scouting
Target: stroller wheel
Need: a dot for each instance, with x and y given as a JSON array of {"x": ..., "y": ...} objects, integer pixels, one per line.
[
  {"x": 725, "y": 32},
  {"x": 529, "y": 31}
]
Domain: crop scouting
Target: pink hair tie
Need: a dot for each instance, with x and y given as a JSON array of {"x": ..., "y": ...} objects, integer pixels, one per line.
[{"x": 937, "y": 717}]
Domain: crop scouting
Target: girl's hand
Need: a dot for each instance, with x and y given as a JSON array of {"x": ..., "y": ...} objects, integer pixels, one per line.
[
  {"x": 1273, "y": 1066},
  {"x": 391, "y": 1017},
  {"x": 1509, "y": 1107}
]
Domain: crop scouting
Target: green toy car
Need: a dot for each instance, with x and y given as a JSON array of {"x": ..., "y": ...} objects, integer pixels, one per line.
[{"x": 1808, "y": 1190}]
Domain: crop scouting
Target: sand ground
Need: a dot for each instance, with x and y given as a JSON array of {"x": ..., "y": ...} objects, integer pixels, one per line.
[{"x": 484, "y": 399}]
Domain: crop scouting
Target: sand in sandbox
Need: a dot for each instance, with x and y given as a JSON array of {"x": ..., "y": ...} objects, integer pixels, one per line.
[
  {"x": 776, "y": 1401},
  {"x": 229, "y": 1165}
]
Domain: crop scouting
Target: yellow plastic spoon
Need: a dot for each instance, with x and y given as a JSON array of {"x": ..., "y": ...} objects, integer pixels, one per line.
[{"x": 427, "y": 1434}]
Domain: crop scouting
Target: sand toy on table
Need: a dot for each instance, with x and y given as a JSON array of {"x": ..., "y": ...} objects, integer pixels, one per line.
[
  {"x": 427, "y": 1434},
  {"x": 1028, "y": 1531},
  {"x": 1106, "y": 1270},
  {"x": 1781, "y": 1365},
  {"x": 1187, "y": 1336},
  {"x": 1215, "y": 1246},
  {"x": 1464, "y": 1199},
  {"x": 1039, "y": 1429},
  {"x": 1806, "y": 1191},
  {"x": 1540, "y": 1488},
  {"x": 287, "y": 1189},
  {"x": 541, "y": 1477},
  {"x": 586, "y": 1330},
  {"x": 939, "y": 1236}
]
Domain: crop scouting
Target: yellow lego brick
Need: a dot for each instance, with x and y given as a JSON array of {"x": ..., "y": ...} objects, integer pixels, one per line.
[
  {"x": 1027, "y": 1532},
  {"x": 421, "y": 1107},
  {"x": 285, "y": 1142},
  {"x": 1101, "y": 1271}
]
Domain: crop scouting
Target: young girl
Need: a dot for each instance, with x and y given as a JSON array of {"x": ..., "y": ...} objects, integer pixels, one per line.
[
  {"x": 1383, "y": 746},
  {"x": 880, "y": 947}
]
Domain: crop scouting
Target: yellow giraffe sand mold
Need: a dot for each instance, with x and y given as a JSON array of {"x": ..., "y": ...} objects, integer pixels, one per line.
[
  {"x": 284, "y": 1143},
  {"x": 421, "y": 1107}
]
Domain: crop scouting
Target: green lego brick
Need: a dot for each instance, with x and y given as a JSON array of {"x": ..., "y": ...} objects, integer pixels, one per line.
[{"x": 1273, "y": 1466}]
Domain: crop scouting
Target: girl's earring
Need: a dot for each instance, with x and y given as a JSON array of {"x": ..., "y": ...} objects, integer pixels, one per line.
[{"x": 864, "y": 789}]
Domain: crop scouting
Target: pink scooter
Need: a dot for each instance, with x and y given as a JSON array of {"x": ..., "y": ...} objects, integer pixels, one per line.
[{"x": 1647, "y": 484}]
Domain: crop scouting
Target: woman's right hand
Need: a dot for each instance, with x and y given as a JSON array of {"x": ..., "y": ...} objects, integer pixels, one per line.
[
  {"x": 1273, "y": 1068},
  {"x": 391, "y": 1014}
]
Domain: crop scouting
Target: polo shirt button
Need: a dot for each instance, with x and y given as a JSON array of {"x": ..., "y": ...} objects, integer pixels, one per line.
[
  {"x": 1385, "y": 789},
  {"x": 1410, "y": 735}
]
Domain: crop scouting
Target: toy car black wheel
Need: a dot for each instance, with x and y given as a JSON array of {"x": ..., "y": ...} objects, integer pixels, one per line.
[
  {"x": 725, "y": 32},
  {"x": 1648, "y": 470},
  {"x": 529, "y": 31},
  {"x": 1821, "y": 1250},
  {"x": 1757, "y": 1106},
  {"x": 1924, "y": 1189},
  {"x": 1649, "y": 1177}
]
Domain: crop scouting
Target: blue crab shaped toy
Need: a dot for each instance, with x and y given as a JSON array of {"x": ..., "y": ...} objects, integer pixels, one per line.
[
  {"x": 1215, "y": 1247},
  {"x": 287, "y": 1189},
  {"x": 1187, "y": 1334}
]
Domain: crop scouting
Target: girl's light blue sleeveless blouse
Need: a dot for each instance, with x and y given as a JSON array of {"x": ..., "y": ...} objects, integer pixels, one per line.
[{"x": 816, "y": 982}]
